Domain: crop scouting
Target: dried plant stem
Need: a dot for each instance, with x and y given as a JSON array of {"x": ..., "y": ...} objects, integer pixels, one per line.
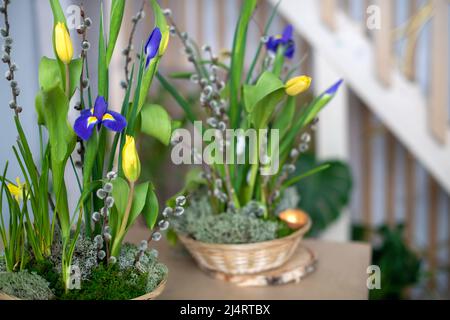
[{"x": 129, "y": 47}]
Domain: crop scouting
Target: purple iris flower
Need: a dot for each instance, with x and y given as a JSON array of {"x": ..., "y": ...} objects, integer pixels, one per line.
[
  {"x": 97, "y": 116},
  {"x": 286, "y": 39},
  {"x": 152, "y": 45}
]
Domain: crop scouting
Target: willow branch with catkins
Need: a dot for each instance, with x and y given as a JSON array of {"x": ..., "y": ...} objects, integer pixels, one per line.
[{"x": 7, "y": 59}]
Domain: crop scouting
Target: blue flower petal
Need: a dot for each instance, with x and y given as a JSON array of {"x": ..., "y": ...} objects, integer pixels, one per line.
[
  {"x": 334, "y": 88},
  {"x": 114, "y": 121},
  {"x": 290, "y": 51},
  {"x": 152, "y": 45},
  {"x": 288, "y": 34},
  {"x": 100, "y": 107},
  {"x": 85, "y": 124}
]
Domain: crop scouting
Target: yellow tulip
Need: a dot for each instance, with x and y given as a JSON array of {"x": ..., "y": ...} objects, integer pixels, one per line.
[
  {"x": 164, "y": 43},
  {"x": 130, "y": 160},
  {"x": 63, "y": 43},
  {"x": 297, "y": 85},
  {"x": 17, "y": 190}
]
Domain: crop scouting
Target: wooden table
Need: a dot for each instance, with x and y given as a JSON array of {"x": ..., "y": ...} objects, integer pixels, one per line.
[{"x": 340, "y": 274}]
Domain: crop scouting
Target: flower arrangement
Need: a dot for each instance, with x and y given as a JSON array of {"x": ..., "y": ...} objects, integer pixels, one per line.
[
  {"x": 242, "y": 217},
  {"x": 234, "y": 202},
  {"x": 50, "y": 249}
]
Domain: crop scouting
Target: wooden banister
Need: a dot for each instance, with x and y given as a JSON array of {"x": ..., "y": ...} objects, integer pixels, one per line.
[
  {"x": 438, "y": 113},
  {"x": 328, "y": 12},
  {"x": 383, "y": 43}
]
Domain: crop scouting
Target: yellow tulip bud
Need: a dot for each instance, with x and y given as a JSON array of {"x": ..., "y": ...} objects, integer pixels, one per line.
[
  {"x": 297, "y": 85},
  {"x": 130, "y": 160},
  {"x": 63, "y": 43},
  {"x": 164, "y": 42}
]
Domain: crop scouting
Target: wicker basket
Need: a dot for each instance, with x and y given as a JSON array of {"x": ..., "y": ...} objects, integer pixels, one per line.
[
  {"x": 149, "y": 296},
  {"x": 235, "y": 259}
]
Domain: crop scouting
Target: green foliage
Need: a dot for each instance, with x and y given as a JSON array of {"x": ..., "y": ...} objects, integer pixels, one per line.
[
  {"x": 324, "y": 194},
  {"x": 400, "y": 266},
  {"x": 25, "y": 286},
  {"x": 261, "y": 99},
  {"x": 110, "y": 283},
  {"x": 238, "y": 58},
  {"x": 117, "y": 11},
  {"x": 156, "y": 122}
]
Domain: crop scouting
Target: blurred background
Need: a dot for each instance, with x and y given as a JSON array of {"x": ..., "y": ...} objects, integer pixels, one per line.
[{"x": 386, "y": 133}]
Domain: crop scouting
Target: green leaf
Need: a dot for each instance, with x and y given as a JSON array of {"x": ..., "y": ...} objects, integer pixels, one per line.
[
  {"x": 75, "y": 68},
  {"x": 52, "y": 107},
  {"x": 302, "y": 176},
  {"x": 182, "y": 102},
  {"x": 58, "y": 13},
  {"x": 151, "y": 209},
  {"x": 156, "y": 122},
  {"x": 324, "y": 194},
  {"x": 260, "y": 46},
  {"x": 161, "y": 23},
  {"x": 238, "y": 57},
  {"x": 261, "y": 99},
  {"x": 50, "y": 74},
  {"x": 121, "y": 190},
  {"x": 117, "y": 11},
  {"x": 286, "y": 114},
  {"x": 102, "y": 66},
  {"x": 181, "y": 75},
  {"x": 139, "y": 200}
]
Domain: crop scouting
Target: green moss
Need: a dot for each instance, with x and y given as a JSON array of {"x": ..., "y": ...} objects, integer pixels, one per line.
[
  {"x": 244, "y": 226},
  {"x": 147, "y": 264},
  {"x": 25, "y": 285},
  {"x": 110, "y": 283},
  {"x": 2, "y": 264}
]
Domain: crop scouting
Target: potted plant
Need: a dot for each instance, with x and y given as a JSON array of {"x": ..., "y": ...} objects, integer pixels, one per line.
[
  {"x": 241, "y": 216},
  {"x": 53, "y": 251}
]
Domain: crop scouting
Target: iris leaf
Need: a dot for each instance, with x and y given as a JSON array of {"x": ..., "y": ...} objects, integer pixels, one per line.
[{"x": 117, "y": 11}]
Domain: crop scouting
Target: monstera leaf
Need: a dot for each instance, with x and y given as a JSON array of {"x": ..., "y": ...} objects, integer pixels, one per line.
[{"x": 325, "y": 194}]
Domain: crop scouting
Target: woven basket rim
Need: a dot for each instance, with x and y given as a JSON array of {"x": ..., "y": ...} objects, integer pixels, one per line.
[
  {"x": 148, "y": 296},
  {"x": 248, "y": 246}
]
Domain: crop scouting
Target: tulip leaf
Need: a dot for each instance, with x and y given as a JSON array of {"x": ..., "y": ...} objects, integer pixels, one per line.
[
  {"x": 120, "y": 192},
  {"x": 52, "y": 107},
  {"x": 261, "y": 99},
  {"x": 238, "y": 57},
  {"x": 117, "y": 11},
  {"x": 139, "y": 200},
  {"x": 156, "y": 122},
  {"x": 50, "y": 74},
  {"x": 286, "y": 114},
  {"x": 151, "y": 209}
]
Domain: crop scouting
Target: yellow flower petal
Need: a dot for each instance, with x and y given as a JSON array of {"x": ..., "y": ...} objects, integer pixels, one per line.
[
  {"x": 131, "y": 164},
  {"x": 63, "y": 43},
  {"x": 297, "y": 85}
]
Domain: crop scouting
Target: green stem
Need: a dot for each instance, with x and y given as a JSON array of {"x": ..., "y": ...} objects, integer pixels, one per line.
[
  {"x": 119, "y": 236},
  {"x": 67, "y": 80}
]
